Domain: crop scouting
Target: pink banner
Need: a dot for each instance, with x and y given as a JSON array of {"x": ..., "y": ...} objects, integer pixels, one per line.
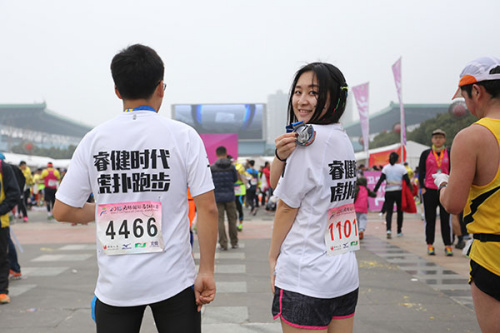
[
  {"x": 212, "y": 141},
  {"x": 375, "y": 204},
  {"x": 396, "y": 70},
  {"x": 361, "y": 94}
]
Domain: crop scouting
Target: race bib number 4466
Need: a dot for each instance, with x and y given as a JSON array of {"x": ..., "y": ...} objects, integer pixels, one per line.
[
  {"x": 341, "y": 235},
  {"x": 129, "y": 228}
]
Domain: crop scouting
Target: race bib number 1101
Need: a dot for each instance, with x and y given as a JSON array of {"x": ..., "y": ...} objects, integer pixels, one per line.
[
  {"x": 341, "y": 235},
  {"x": 128, "y": 228}
]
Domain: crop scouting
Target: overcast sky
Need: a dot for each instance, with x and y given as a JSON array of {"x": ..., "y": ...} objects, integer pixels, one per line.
[{"x": 232, "y": 51}]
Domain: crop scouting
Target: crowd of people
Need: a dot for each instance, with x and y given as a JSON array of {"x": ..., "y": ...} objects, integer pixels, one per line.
[
  {"x": 149, "y": 183},
  {"x": 21, "y": 190},
  {"x": 37, "y": 187},
  {"x": 237, "y": 187},
  {"x": 416, "y": 186}
]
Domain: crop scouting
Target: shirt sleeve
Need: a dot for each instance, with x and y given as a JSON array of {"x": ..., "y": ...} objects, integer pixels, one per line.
[
  {"x": 298, "y": 179},
  {"x": 199, "y": 175},
  {"x": 76, "y": 187}
]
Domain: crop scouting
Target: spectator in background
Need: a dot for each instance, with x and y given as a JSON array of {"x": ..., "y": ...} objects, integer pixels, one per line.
[
  {"x": 21, "y": 182},
  {"x": 435, "y": 160},
  {"x": 361, "y": 170},
  {"x": 27, "y": 188},
  {"x": 240, "y": 190},
  {"x": 51, "y": 178},
  {"x": 409, "y": 170},
  {"x": 224, "y": 175},
  {"x": 252, "y": 198},
  {"x": 265, "y": 186},
  {"x": 361, "y": 194},
  {"x": 38, "y": 187},
  {"x": 9, "y": 196},
  {"x": 394, "y": 174}
]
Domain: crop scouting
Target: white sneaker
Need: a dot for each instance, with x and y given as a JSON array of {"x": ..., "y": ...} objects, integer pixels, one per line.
[{"x": 389, "y": 234}]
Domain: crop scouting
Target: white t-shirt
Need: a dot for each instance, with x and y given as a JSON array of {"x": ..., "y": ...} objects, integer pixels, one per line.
[
  {"x": 141, "y": 156},
  {"x": 317, "y": 178},
  {"x": 394, "y": 177}
]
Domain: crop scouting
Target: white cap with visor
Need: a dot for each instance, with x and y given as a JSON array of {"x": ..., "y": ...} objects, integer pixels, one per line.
[{"x": 480, "y": 69}]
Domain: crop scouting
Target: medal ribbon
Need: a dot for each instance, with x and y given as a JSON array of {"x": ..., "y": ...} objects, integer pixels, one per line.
[
  {"x": 439, "y": 160},
  {"x": 140, "y": 108}
]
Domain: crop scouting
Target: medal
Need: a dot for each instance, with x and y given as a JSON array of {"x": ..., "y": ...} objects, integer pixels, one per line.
[{"x": 306, "y": 133}]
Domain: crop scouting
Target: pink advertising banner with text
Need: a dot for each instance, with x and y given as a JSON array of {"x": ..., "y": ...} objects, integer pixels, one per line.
[
  {"x": 212, "y": 141},
  {"x": 375, "y": 204}
]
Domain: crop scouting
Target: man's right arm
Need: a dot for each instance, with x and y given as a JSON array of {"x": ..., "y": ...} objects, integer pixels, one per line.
[
  {"x": 66, "y": 213},
  {"x": 380, "y": 180},
  {"x": 207, "y": 239}
]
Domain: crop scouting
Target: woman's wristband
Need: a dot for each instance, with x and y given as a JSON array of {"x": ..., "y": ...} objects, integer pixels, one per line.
[
  {"x": 443, "y": 185},
  {"x": 276, "y": 154}
]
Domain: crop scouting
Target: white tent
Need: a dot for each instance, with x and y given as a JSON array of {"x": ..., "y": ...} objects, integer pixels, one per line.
[
  {"x": 413, "y": 152},
  {"x": 35, "y": 162}
]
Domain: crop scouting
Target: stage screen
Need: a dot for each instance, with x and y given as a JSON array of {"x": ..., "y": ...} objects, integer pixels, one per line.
[{"x": 244, "y": 119}]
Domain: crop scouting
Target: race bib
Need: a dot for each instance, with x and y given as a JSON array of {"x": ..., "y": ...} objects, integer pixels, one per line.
[
  {"x": 341, "y": 235},
  {"x": 129, "y": 228},
  {"x": 52, "y": 183},
  {"x": 237, "y": 189}
]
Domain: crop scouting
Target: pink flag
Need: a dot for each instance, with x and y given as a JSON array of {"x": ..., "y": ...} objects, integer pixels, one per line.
[
  {"x": 396, "y": 70},
  {"x": 361, "y": 95}
]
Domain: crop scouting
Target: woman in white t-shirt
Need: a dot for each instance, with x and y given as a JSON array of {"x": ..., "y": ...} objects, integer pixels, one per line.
[{"x": 314, "y": 272}]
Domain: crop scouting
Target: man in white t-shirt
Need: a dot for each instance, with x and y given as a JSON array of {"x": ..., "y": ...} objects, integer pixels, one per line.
[
  {"x": 393, "y": 174},
  {"x": 139, "y": 167}
]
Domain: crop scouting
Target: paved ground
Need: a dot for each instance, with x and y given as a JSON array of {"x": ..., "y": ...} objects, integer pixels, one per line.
[{"x": 402, "y": 289}]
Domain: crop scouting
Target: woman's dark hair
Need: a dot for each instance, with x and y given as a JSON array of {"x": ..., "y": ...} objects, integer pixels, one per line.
[
  {"x": 137, "y": 71},
  {"x": 393, "y": 158},
  {"x": 332, "y": 84}
]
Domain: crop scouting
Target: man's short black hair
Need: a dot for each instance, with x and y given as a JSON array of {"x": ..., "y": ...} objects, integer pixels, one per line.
[
  {"x": 137, "y": 71},
  {"x": 492, "y": 87},
  {"x": 393, "y": 158},
  {"x": 22, "y": 163},
  {"x": 221, "y": 151}
]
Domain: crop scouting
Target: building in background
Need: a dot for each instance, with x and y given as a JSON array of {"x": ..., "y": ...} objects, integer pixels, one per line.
[
  {"x": 257, "y": 124},
  {"x": 34, "y": 125},
  {"x": 247, "y": 120},
  {"x": 277, "y": 106}
]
